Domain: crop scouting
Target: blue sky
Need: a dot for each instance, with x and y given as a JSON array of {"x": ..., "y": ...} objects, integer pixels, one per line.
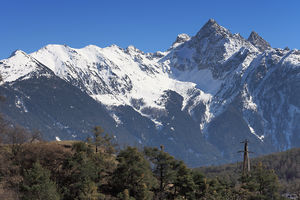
[{"x": 148, "y": 25}]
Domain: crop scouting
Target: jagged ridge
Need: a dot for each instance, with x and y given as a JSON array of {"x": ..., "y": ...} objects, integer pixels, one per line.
[{"x": 213, "y": 89}]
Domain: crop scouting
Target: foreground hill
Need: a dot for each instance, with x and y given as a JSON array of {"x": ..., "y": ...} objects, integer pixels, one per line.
[
  {"x": 199, "y": 98},
  {"x": 285, "y": 164},
  {"x": 95, "y": 170}
]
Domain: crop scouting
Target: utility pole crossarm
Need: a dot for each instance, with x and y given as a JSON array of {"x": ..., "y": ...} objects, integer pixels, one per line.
[{"x": 246, "y": 161}]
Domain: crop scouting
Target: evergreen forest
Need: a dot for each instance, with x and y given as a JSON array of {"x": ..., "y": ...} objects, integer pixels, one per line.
[{"x": 99, "y": 169}]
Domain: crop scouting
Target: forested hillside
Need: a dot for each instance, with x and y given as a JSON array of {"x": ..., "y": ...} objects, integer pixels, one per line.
[
  {"x": 285, "y": 164},
  {"x": 98, "y": 169}
]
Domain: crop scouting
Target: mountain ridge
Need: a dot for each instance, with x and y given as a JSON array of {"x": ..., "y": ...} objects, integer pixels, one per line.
[{"x": 191, "y": 88}]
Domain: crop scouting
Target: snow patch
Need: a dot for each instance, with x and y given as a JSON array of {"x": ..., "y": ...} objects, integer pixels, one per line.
[
  {"x": 158, "y": 124},
  {"x": 261, "y": 138},
  {"x": 248, "y": 100},
  {"x": 20, "y": 104},
  {"x": 116, "y": 118},
  {"x": 202, "y": 79}
]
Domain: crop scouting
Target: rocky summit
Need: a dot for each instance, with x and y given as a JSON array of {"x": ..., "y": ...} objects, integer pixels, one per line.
[{"x": 199, "y": 99}]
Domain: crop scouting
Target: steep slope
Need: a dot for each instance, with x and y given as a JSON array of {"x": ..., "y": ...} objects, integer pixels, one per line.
[
  {"x": 272, "y": 83},
  {"x": 200, "y": 98},
  {"x": 133, "y": 117},
  {"x": 22, "y": 66},
  {"x": 137, "y": 91},
  {"x": 258, "y": 41},
  {"x": 37, "y": 99}
]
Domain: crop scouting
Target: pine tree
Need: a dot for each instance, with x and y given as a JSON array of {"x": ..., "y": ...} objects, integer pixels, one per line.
[
  {"x": 164, "y": 169},
  {"x": 184, "y": 185},
  {"x": 201, "y": 185},
  {"x": 98, "y": 131},
  {"x": 103, "y": 140},
  {"x": 133, "y": 173},
  {"x": 103, "y": 156},
  {"x": 262, "y": 183},
  {"x": 81, "y": 173},
  {"x": 37, "y": 184}
]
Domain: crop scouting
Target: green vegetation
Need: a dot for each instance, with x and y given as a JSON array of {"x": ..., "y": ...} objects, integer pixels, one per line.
[
  {"x": 133, "y": 175},
  {"x": 36, "y": 184},
  {"x": 284, "y": 165},
  {"x": 68, "y": 170}
]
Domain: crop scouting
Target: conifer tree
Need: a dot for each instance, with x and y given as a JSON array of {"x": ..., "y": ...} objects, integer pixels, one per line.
[
  {"x": 262, "y": 183},
  {"x": 164, "y": 169},
  {"x": 133, "y": 173},
  {"x": 103, "y": 140},
  {"x": 104, "y": 152},
  {"x": 81, "y": 174},
  {"x": 184, "y": 185},
  {"x": 37, "y": 184},
  {"x": 98, "y": 131}
]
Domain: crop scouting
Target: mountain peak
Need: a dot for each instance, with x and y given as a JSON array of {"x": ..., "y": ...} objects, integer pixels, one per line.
[
  {"x": 18, "y": 65},
  {"x": 181, "y": 38},
  {"x": 212, "y": 27},
  {"x": 258, "y": 41},
  {"x": 18, "y": 52},
  {"x": 211, "y": 21},
  {"x": 133, "y": 50}
]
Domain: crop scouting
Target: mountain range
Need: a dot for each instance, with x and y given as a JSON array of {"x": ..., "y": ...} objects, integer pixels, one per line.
[{"x": 200, "y": 98}]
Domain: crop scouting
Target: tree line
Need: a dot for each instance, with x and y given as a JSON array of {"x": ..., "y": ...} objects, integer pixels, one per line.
[
  {"x": 285, "y": 165},
  {"x": 97, "y": 169}
]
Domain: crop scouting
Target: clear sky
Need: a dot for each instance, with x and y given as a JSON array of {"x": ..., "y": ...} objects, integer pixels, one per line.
[{"x": 149, "y": 25}]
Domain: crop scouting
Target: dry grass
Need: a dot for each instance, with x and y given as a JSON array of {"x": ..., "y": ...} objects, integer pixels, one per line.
[{"x": 64, "y": 143}]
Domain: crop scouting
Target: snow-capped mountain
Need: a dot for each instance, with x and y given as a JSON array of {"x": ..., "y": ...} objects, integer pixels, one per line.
[{"x": 200, "y": 98}]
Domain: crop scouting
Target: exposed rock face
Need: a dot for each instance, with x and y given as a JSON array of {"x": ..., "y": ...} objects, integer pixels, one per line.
[
  {"x": 258, "y": 41},
  {"x": 200, "y": 98}
]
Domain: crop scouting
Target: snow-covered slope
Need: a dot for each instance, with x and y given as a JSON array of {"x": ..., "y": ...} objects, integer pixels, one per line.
[
  {"x": 21, "y": 66},
  {"x": 111, "y": 75},
  {"x": 115, "y": 76},
  {"x": 215, "y": 89}
]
